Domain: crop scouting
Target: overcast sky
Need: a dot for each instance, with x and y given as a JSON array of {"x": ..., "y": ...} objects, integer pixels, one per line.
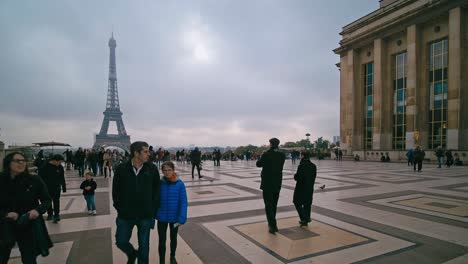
[{"x": 207, "y": 72}]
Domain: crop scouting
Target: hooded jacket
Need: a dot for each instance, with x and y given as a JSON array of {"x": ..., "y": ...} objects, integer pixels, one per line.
[{"x": 173, "y": 205}]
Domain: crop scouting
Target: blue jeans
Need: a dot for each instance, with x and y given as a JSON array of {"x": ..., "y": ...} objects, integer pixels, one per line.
[
  {"x": 90, "y": 202},
  {"x": 124, "y": 233},
  {"x": 440, "y": 160}
]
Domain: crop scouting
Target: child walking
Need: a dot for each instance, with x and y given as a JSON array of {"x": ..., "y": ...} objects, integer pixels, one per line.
[
  {"x": 172, "y": 211},
  {"x": 89, "y": 186}
]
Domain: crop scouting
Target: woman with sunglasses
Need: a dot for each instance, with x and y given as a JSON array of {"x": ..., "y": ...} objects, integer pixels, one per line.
[{"x": 20, "y": 210}]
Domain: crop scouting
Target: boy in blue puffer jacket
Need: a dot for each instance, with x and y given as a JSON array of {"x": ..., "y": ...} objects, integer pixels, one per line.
[{"x": 172, "y": 211}]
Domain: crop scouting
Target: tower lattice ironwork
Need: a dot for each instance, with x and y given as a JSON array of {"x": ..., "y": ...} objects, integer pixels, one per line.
[{"x": 112, "y": 112}]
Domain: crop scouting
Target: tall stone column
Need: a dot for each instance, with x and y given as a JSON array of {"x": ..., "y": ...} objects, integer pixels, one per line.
[
  {"x": 382, "y": 134},
  {"x": 454, "y": 78},
  {"x": 346, "y": 101},
  {"x": 377, "y": 95},
  {"x": 413, "y": 135}
]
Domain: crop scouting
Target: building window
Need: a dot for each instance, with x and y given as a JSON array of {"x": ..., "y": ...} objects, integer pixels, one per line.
[
  {"x": 369, "y": 98},
  {"x": 438, "y": 82},
  {"x": 399, "y": 102}
]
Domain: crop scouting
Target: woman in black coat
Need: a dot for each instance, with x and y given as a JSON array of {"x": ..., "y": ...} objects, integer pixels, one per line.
[
  {"x": 305, "y": 180},
  {"x": 21, "y": 212}
]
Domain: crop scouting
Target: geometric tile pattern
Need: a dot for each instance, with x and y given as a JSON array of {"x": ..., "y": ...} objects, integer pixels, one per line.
[
  {"x": 455, "y": 209},
  {"x": 369, "y": 212}
]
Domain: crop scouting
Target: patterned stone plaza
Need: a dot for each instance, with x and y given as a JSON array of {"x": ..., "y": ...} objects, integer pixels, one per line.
[{"x": 368, "y": 213}]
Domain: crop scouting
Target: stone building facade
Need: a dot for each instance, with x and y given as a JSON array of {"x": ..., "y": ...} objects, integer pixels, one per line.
[{"x": 404, "y": 79}]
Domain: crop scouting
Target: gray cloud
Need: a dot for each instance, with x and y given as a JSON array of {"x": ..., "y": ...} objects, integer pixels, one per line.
[{"x": 202, "y": 72}]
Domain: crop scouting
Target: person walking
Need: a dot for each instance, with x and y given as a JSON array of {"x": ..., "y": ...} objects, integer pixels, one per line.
[
  {"x": 271, "y": 162},
  {"x": 218, "y": 158},
  {"x": 93, "y": 160},
  {"x": 419, "y": 155},
  {"x": 69, "y": 158},
  {"x": 304, "y": 191},
  {"x": 80, "y": 161},
  {"x": 195, "y": 159},
  {"x": 107, "y": 163},
  {"x": 173, "y": 210},
  {"x": 160, "y": 156},
  {"x": 52, "y": 173},
  {"x": 23, "y": 200},
  {"x": 89, "y": 187},
  {"x": 136, "y": 195},
  {"x": 448, "y": 158},
  {"x": 410, "y": 157},
  {"x": 100, "y": 156},
  {"x": 439, "y": 152}
]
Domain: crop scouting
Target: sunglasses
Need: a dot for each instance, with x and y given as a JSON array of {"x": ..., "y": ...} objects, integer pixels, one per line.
[{"x": 19, "y": 161}]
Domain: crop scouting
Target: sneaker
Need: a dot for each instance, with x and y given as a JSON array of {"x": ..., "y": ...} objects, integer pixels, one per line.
[
  {"x": 173, "y": 260},
  {"x": 90, "y": 212},
  {"x": 94, "y": 212}
]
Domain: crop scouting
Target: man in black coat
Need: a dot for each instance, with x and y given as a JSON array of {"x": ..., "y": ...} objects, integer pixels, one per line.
[
  {"x": 53, "y": 175},
  {"x": 79, "y": 161},
  {"x": 195, "y": 159},
  {"x": 271, "y": 162},
  {"x": 93, "y": 161},
  {"x": 135, "y": 193},
  {"x": 305, "y": 180}
]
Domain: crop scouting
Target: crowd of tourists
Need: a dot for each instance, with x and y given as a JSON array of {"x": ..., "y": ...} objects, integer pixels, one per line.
[{"x": 141, "y": 197}]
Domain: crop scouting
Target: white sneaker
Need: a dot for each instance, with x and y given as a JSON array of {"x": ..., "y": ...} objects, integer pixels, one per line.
[
  {"x": 90, "y": 212},
  {"x": 94, "y": 212}
]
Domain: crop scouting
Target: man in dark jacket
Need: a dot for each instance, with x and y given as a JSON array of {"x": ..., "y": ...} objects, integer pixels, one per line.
[
  {"x": 52, "y": 174},
  {"x": 305, "y": 180},
  {"x": 135, "y": 193},
  {"x": 419, "y": 155},
  {"x": 79, "y": 161},
  {"x": 271, "y": 162},
  {"x": 93, "y": 161},
  {"x": 195, "y": 159},
  {"x": 100, "y": 156}
]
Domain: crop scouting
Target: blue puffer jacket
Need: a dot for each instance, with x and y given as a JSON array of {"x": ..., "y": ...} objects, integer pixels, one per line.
[{"x": 173, "y": 207}]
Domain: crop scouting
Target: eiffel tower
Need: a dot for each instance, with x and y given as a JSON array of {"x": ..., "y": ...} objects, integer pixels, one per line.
[{"x": 112, "y": 113}]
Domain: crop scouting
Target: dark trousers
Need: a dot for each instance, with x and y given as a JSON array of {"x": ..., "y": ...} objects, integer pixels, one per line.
[
  {"x": 55, "y": 208},
  {"x": 418, "y": 163},
  {"x": 94, "y": 168},
  {"x": 303, "y": 209},
  {"x": 193, "y": 168},
  {"x": 25, "y": 245},
  {"x": 101, "y": 168},
  {"x": 271, "y": 202},
  {"x": 162, "y": 233},
  {"x": 410, "y": 162},
  {"x": 218, "y": 163},
  {"x": 124, "y": 233},
  {"x": 80, "y": 168}
]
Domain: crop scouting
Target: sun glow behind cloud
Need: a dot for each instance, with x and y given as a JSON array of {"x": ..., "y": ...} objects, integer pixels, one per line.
[{"x": 198, "y": 42}]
